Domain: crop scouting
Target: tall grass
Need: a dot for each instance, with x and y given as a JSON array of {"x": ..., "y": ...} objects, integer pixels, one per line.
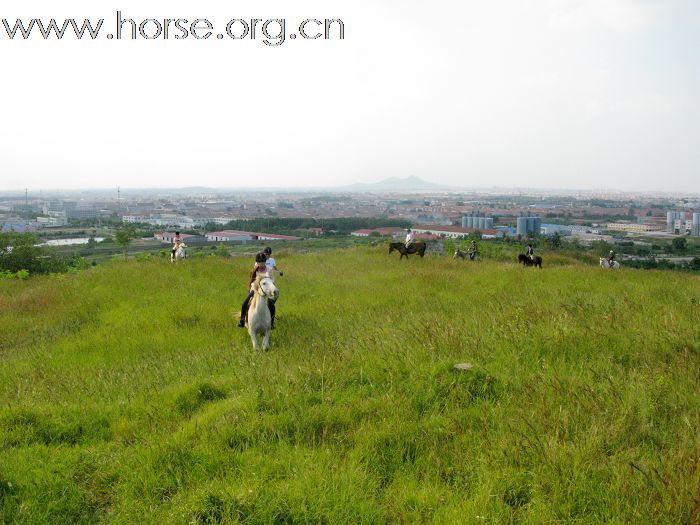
[{"x": 128, "y": 396}]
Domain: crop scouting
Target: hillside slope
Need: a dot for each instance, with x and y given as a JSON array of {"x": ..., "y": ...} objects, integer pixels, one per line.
[{"x": 128, "y": 396}]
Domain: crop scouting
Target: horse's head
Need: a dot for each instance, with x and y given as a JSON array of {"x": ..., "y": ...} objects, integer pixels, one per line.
[
  {"x": 391, "y": 247},
  {"x": 266, "y": 286}
]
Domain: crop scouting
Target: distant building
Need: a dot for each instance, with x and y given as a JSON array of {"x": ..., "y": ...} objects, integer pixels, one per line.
[
  {"x": 629, "y": 227},
  {"x": 174, "y": 221},
  {"x": 527, "y": 225},
  {"x": 18, "y": 226},
  {"x": 455, "y": 232},
  {"x": 82, "y": 212},
  {"x": 241, "y": 236},
  {"x": 475, "y": 221},
  {"x": 671, "y": 217},
  {"x": 551, "y": 229},
  {"x": 51, "y": 222},
  {"x": 681, "y": 224},
  {"x": 170, "y": 236},
  {"x": 361, "y": 233},
  {"x": 132, "y": 219},
  {"x": 389, "y": 231}
]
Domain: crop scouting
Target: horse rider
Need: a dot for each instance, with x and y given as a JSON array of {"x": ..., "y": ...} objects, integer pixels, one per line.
[
  {"x": 271, "y": 263},
  {"x": 530, "y": 252},
  {"x": 611, "y": 258},
  {"x": 271, "y": 269},
  {"x": 260, "y": 269},
  {"x": 472, "y": 250},
  {"x": 177, "y": 241},
  {"x": 409, "y": 238}
]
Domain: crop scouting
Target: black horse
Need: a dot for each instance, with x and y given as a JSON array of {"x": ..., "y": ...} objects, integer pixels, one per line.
[
  {"x": 416, "y": 247},
  {"x": 526, "y": 261}
]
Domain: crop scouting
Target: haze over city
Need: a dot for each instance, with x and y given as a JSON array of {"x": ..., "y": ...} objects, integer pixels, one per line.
[{"x": 568, "y": 94}]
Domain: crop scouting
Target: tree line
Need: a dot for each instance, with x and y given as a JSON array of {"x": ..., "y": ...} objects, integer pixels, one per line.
[{"x": 19, "y": 254}]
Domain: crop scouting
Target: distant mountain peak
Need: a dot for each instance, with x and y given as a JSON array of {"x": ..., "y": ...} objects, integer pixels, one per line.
[{"x": 410, "y": 183}]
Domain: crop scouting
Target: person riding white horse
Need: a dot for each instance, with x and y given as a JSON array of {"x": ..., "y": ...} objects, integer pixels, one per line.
[
  {"x": 608, "y": 263},
  {"x": 179, "y": 253},
  {"x": 611, "y": 258},
  {"x": 177, "y": 241},
  {"x": 259, "y": 270},
  {"x": 259, "y": 318}
]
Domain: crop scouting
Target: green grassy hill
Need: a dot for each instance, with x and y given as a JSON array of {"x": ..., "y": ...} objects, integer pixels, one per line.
[{"x": 127, "y": 395}]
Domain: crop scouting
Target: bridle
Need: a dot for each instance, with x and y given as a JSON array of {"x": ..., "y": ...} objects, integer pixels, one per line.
[{"x": 261, "y": 290}]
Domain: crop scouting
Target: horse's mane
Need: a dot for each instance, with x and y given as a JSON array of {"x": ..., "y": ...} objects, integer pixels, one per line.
[{"x": 259, "y": 277}]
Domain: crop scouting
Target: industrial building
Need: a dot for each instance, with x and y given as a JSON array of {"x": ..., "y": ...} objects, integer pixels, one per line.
[
  {"x": 454, "y": 232},
  {"x": 629, "y": 227},
  {"x": 677, "y": 222},
  {"x": 527, "y": 225},
  {"x": 476, "y": 221}
]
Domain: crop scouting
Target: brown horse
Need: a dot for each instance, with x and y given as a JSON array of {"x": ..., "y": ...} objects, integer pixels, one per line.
[
  {"x": 416, "y": 247},
  {"x": 526, "y": 261}
]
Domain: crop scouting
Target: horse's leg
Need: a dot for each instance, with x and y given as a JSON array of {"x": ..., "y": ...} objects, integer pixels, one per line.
[
  {"x": 254, "y": 339},
  {"x": 266, "y": 340}
]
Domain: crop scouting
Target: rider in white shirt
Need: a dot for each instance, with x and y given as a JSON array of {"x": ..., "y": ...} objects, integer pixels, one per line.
[
  {"x": 271, "y": 264},
  {"x": 409, "y": 238}
]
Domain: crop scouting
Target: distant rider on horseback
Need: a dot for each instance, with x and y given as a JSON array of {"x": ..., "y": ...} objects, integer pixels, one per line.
[
  {"x": 472, "y": 250},
  {"x": 177, "y": 241},
  {"x": 611, "y": 259},
  {"x": 530, "y": 252},
  {"x": 409, "y": 238}
]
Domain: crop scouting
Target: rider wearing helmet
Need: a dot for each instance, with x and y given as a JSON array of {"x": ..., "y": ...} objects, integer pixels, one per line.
[
  {"x": 409, "y": 238},
  {"x": 611, "y": 258},
  {"x": 271, "y": 263},
  {"x": 530, "y": 252},
  {"x": 260, "y": 268}
]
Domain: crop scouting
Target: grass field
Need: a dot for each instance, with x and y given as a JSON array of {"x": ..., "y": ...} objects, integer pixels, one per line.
[{"x": 128, "y": 396}]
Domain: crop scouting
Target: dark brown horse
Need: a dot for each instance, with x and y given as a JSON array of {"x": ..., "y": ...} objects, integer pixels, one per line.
[
  {"x": 416, "y": 247},
  {"x": 526, "y": 261}
]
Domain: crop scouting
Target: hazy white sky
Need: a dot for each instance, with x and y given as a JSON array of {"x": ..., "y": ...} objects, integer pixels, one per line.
[{"x": 543, "y": 93}]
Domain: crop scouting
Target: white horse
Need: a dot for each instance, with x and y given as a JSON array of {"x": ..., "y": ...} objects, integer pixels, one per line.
[
  {"x": 604, "y": 263},
  {"x": 179, "y": 253},
  {"x": 259, "y": 320}
]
